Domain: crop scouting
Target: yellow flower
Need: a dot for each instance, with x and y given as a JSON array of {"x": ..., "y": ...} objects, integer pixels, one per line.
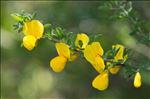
[
  {"x": 81, "y": 40},
  {"x": 63, "y": 50},
  {"x": 34, "y": 28},
  {"x": 137, "y": 80},
  {"x": 119, "y": 55},
  {"x": 58, "y": 63},
  {"x": 29, "y": 42},
  {"x": 93, "y": 54},
  {"x": 101, "y": 82},
  {"x": 114, "y": 69}
]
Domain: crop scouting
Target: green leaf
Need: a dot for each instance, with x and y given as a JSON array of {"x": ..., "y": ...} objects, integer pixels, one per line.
[
  {"x": 126, "y": 51},
  {"x": 72, "y": 43},
  {"x": 59, "y": 32},
  {"x": 21, "y": 45},
  {"x": 47, "y": 25},
  {"x": 17, "y": 17},
  {"x": 19, "y": 30},
  {"x": 95, "y": 37},
  {"x": 69, "y": 34},
  {"x": 129, "y": 6},
  {"x": 129, "y": 71},
  {"x": 33, "y": 15}
]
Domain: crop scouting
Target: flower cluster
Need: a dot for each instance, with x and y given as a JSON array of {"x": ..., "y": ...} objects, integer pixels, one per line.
[
  {"x": 69, "y": 46},
  {"x": 33, "y": 30}
]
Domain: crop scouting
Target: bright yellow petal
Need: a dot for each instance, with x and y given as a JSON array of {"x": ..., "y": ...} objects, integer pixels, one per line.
[
  {"x": 83, "y": 38},
  {"x": 26, "y": 30},
  {"x": 58, "y": 63},
  {"x": 34, "y": 27},
  {"x": 137, "y": 80},
  {"x": 63, "y": 50},
  {"x": 101, "y": 81},
  {"x": 29, "y": 42},
  {"x": 93, "y": 53},
  {"x": 119, "y": 55},
  {"x": 115, "y": 69},
  {"x": 89, "y": 54},
  {"x": 99, "y": 64},
  {"x": 97, "y": 48}
]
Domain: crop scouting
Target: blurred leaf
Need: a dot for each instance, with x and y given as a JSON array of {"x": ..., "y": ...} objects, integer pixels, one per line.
[
  {"x": 148, "y": 26},
  {"x": 33, "y": 15},
  {"x": 59, "y": 32},
  {"x": 129, "y": 6},
  {"x": 21, "y": 45},
  {"x": 47, "y": 25},
  {"x": 133, "y": 32},
  {"x": 17, "y": 17},
  {"x": 95, "y": 37},
  {"x": 129, "y": 72},
  {"x": 72, "y": 44}
]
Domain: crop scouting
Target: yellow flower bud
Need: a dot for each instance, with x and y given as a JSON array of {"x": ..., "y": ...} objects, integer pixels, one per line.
[
  {"x": 137, "y": 80},
  {"x": 82, "y": 40},
  {"x": 101, "y": 81},
  {"x": 34, "y": 28},
  {"x": 58, "y": 63},
  {"x": 29, "y": 42}
]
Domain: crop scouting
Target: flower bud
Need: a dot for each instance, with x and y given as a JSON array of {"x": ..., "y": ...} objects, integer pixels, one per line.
[
  {"x": 137, "y": 80},
  {"x": 29, "y": 42}
]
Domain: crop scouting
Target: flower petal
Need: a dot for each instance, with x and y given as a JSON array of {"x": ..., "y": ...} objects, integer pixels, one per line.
[
  {"x": 58, "y": 63},
  {"x": 115, "y": 69},
  {"x": 119, "y": 55},
  {"x": 101, "y": 81},
  {"x": 97, "y": 48},
  {"x": 63, "y": 50},
  {"x": 99, "y": 64},
  {"x": 90, "y": 54},
  {"x": 29, "y": 42},
  {"x": 83, "y": 38},
  {"x": 34, "y": 27},
  {"x": 137, "y": 80}
]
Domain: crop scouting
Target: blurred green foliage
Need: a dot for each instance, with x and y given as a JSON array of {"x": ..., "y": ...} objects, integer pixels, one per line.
[
  {"x": 27, "y": 75},
  {"x": 124, "y": 10}
]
